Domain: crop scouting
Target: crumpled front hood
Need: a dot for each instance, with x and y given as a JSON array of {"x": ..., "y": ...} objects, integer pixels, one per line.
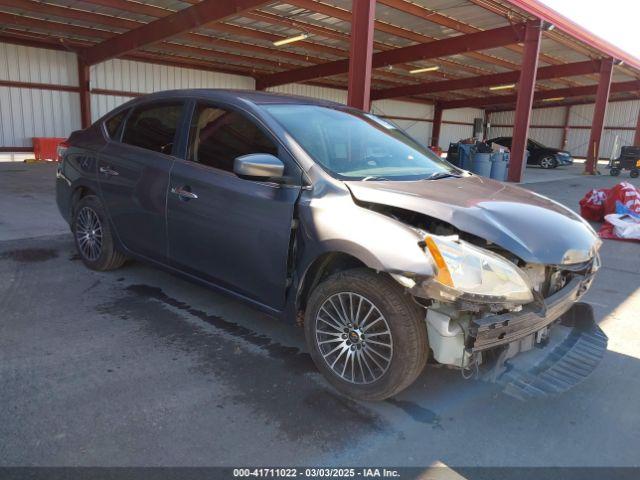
[{"x": 533, "y": 227}]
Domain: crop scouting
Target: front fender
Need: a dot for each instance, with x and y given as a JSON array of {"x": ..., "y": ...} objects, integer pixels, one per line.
[{"x": 334, "y": 223}]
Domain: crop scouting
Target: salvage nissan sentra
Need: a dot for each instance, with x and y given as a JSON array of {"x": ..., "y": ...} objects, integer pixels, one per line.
[{"x": 335, "y": 218}]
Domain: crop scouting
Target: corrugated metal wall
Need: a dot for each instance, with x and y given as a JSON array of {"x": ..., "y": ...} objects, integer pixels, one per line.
[
  {"x": 453, "y": 132},
  {"x": 139, "y": 77},
  {"x": 413, "y": 114},
  {"x": 27, "y": 113},
  {"x": 619, "y": 114}
]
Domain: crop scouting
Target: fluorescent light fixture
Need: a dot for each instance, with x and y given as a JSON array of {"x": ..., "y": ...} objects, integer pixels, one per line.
[
  {"x": 503, "y": 87},
  {"x": 554, "y": 99},
  {"x": 286, "y": 41},
  {"x": 426, "y": 69}
]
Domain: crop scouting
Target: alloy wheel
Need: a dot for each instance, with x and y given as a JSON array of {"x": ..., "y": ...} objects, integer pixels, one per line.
[
  {"x": 89, "y": 234},
  {"x": 354, "y": 338},
  {"x": 546, "y": 162}
]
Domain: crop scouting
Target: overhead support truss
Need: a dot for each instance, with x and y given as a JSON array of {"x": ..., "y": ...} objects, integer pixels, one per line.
[
  {"x": 487, "y": 39},
  {"x": 544, "y": 73},
  {"x": 153, "y": 32}
]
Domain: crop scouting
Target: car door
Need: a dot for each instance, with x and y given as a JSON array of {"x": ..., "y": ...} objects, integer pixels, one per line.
[
  {"x": 231, "y": 231},
  {"x": 133, "y": 174}
]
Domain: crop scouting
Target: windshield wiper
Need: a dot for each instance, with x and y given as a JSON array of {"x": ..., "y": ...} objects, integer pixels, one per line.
[
  {"x": 374, "y": 177},
  {"x": 437, "y": 175}
]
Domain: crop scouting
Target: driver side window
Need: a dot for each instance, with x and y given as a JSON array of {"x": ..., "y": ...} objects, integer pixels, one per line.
[{"x": 218, "y": 136}]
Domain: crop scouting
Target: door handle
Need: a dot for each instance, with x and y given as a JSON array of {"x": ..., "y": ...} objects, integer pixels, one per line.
[
  {"x": 108, "y": 172},
  {"x": 183, "y": 193}
]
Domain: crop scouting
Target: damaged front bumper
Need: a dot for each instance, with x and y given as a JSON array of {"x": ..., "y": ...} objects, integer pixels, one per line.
[
  {"x": 495, "y": 330},
  {"x": 571, "y": 351}
]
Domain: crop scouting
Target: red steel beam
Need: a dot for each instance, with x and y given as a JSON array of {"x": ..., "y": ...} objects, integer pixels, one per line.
[
  {"x": 636, "y": 138},
  {"x": 440, "y": 48},
  {"x": 619, "y": 87},
  {"x": 437, "y": 125},
  {"x": 599, "y": 113},
  {"x": 167, "y": 27},
  {"x": 362, "y": 18},
  {"x": 84, "y": 84},
  {"x": 526, "y": 87},
  {"x": 38, "y": 86},
  {"x": 578, "y": 101},
  {"x": 544, "y": 73},
  {"x": 565, "y": 128}
]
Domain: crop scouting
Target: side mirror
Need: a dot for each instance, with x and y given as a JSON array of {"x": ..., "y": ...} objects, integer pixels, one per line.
[{"x": 258, "y": 165}]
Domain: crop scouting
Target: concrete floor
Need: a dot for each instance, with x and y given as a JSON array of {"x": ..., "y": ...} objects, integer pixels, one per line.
[{"x": 138, "y": 367}]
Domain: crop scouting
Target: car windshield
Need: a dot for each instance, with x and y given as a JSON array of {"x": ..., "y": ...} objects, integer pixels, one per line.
[{"x": 353, "y": 145}]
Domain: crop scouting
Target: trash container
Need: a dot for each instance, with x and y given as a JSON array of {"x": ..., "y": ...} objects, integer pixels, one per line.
[
  {"x": 481, "y": 164},
  {"x": 45, "y": 148},
  {"x": 499, "y": 163}
]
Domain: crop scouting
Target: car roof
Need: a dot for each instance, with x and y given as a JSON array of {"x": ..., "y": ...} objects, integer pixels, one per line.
[{"x": 241, "y": 96}]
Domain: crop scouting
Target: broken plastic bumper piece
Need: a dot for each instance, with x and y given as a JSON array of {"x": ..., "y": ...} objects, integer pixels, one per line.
[{"x": 570, "y": 352}]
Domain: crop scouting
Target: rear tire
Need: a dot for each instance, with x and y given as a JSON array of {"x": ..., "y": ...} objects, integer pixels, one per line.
[
  {"x": 93, "y": 237},
  {"x": 385, "y": 348},
  {"x": 634, "y": 173}
]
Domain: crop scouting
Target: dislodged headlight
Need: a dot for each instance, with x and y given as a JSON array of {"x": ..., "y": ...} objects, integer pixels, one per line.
[{"x": 471, "y": 273}]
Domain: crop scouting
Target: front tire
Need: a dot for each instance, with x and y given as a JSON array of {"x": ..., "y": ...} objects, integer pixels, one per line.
[
  {"x": 365, "y": 334},
  {"x": 548, "y": 162},
  {"x": 93, "y": 237}
]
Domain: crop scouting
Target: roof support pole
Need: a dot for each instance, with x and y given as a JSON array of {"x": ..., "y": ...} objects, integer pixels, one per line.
[
  {"x": 636, "y": 138},
  {"x": 565, "y": 128},
  {"x": 437, "y": 126},
  {"x": 599, "y": 112},
  {"x": 360, "y": 58},
  {"x": 84, "y": 81},
  {"x": 524, "y": 102}
]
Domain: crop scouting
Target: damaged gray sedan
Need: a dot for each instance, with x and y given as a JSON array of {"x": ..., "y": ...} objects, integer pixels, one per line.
[{"x": 335, "y": 218}]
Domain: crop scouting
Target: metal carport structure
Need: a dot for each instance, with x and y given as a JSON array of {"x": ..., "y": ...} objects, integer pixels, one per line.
[{"x": 490, "y": 54}]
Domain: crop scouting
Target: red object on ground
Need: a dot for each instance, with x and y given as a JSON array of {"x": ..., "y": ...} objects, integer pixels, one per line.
[
  {"x": 46, "y": 148},
  {"x": 598, "y": 203},
  {"x": 592, "y": 205}
]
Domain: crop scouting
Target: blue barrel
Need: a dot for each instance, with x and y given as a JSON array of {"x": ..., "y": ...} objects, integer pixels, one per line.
[
  {"x": 466, "y": 152},
  {"x": 499, "y": 163},
  {"x": 481, "y": 164}
]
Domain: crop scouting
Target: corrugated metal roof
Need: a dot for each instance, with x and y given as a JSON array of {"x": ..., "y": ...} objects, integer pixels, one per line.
[{"x": 248, "y": 36}]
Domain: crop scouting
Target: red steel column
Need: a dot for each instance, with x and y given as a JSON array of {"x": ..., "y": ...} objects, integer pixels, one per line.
[
  {"x": 85, "y": 100},
  {"x": 524, "y": 102},
  {"x": 362, "y": 21},
  {"x": 599, "y": 113},
  {"x": 636, "y": 138},
  {"x": 565, "y": 128},
  {"x": 437, "y": 125}
]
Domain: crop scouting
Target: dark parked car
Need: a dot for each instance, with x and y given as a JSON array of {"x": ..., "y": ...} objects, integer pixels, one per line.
[
  {"x": 314, "y": 211},
  {"x": 546, "y": 157}
]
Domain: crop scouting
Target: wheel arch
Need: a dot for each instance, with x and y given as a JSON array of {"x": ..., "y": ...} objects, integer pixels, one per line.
[{"x": 323, "y": 266}]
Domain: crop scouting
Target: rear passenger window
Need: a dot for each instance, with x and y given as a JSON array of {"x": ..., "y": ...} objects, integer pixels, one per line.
[
  {"x": 113, "y": 124},
  {"x": 153, "y": 126},
  {"x": 218, "y": 136}
]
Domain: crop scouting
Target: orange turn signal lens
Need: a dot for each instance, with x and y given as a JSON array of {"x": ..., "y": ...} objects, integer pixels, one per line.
[{"x": 443, "y": 275}]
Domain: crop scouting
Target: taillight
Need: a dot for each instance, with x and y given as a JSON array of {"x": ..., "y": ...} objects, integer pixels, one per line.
[{"x": 61, "y": 150}]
